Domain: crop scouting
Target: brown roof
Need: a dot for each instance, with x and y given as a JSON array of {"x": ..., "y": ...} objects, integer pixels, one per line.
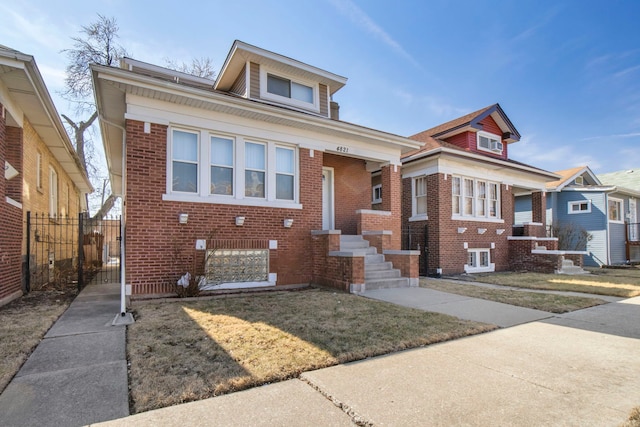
[
  {"x": 460, "y": 121},
  {"x": 565, "y": 174}
]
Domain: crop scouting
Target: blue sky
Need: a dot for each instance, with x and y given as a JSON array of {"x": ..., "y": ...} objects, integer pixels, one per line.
[{"x": 566, "y": 73}]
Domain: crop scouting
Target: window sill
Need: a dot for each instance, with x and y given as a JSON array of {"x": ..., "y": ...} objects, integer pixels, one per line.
[
  {"x": 612, "y": 221},
  {"x": 188, "y": 198},
  {"x": 418, "y": 218},
  {"x": 477, "y": 219},
  {"x": 490, "y": 269}
]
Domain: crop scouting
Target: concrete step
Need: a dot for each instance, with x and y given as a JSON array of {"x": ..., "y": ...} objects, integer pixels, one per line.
[
  {"x": 351, "y": 238},
  {"x": 378, "y": 266},
  {"x": 401, "y": 282},
  {"x": 344, "y": 246},
  {"x": 373, "y": 259},
  {"x": 381, "y": 274}
]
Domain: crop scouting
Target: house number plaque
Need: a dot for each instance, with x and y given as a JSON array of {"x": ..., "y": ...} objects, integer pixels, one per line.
[{"x": 342, "y": 149}]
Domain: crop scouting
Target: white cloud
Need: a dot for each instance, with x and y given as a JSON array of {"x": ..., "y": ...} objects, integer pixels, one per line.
[
  {"x": 362, "y": 20},
  {"x": 32, "y": 26}
]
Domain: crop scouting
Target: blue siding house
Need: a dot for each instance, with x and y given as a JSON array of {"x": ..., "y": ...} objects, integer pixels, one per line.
[{"x": 609, "y": 213}]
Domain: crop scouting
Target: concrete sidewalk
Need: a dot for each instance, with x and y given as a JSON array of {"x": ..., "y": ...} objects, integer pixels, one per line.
[
  {"x": 78, "y": 373},
  {"x": 479, "y": 310},
  {"x": 577, "y": 369}
]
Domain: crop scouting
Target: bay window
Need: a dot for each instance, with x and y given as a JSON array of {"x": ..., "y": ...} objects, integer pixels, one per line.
[
  {"x": 235, "y": 170},
  {"x": 474, "y": 198}
]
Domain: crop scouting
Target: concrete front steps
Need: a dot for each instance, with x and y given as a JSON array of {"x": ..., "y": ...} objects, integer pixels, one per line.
[
  {"x": 569, "y": 268},
  {"x": 378, "y": 273}
]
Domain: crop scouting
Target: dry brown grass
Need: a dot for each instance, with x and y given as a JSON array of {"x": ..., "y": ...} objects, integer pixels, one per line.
[
  {"x": 623, "y": 283},
  {"x": 634, "y": 418},
  {"x": 23, "y": 323},
  {"x": 184, "y": 351},
  {"x": 538, "y": 301}
]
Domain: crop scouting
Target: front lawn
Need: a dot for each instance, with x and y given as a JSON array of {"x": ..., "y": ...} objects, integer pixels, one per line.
[
  {"x": 23, "y": 323},
  {"x": 617, "y": 282},
  {"x": 191, "y": 350}
]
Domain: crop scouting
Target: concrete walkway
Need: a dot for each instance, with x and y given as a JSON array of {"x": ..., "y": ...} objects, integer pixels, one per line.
[
  {"x": 577, "y": 369},
  {"x": 479, "y": 310},
  {"x": 78, "y": 374}
]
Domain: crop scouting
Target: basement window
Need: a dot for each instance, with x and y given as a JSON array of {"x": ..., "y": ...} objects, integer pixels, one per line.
[{"x": 478, "y": 261}]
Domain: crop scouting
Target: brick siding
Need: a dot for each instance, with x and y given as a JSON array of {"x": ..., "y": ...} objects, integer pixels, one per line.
[
  {"x": 153, "y": 233},
  {"x": 445, "y": 244},
  {"x": 11, "y": 235}
]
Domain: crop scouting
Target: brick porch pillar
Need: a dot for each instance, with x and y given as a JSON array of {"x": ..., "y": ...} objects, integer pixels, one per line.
[
  {"x": 539, "y": 208},
  {"x": 391, "y": 179}
]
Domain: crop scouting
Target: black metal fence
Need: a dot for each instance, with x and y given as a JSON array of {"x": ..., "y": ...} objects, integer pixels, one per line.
[
  {"x": 416, "y": 237},
  {"x": 61, "y": 251}
]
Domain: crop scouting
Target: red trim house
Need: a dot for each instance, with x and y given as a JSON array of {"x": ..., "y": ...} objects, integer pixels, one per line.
[
  {"x": 458, "y": 195},
  {"x": 250, "y": 180}
]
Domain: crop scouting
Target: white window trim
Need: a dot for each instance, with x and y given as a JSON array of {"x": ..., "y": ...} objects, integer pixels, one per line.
[
  {"x": 474, "y": 217},
  {"x": 238, "y": 198},
  {"x": 490, "y": 136},
  {"x": 620, "y": 211},
  {"x": 232, "y": 167},
  {"x": 490, "y": 268},
  {"x": 570, "y": 205},
  {"x": 315, "y": 106},
  {"x": 199, "y": 161},
  {"x": 53, "y": 192},
  {"x": 415, "y": 216},
  {"x": 375, "y": 199}
]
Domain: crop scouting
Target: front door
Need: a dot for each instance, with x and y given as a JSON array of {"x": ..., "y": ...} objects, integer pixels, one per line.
[{"x": 327, "y": 199}]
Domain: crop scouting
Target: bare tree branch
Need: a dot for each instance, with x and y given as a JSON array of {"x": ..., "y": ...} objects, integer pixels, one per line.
[{"x": 201, "y": 67}]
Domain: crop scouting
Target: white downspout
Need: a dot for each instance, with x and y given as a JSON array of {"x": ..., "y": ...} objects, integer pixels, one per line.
[{"x": 123, "y": 287}]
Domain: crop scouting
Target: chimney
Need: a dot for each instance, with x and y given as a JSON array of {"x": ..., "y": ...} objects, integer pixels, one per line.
[{"x": 335, "y": 111}]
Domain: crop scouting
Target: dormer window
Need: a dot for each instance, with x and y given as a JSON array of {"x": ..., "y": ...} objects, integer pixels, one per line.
[
  {"x": 285, "y": 87},
  {"x": 290, "y": 91},
  {"x": 489, "y": 142}
]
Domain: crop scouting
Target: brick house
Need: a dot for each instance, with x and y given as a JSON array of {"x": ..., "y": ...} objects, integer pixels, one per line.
[
  {"x": 458, "y": 196},
  {"x": 250, "y": 180},
  {"x": 42, "y": 170}
]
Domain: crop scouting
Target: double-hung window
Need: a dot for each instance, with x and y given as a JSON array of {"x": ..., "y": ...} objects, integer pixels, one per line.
[
  {"x": 289, "y": 89},
  {"x": 420, "y": 196},
  {"x": 474, "y": 198},
  {"x": 222, "y": 159},
  {"x": 489, "y": 142},
  {"x": 255, "y": 168},
  {"x": 285, "y": 173},
  {"x": 184, "y": 161},
  {"x": 376, "y": 194},
  {"x": 468, "y": 197},
  {"x": 615, "y": 210},
  {"x": 53, "y": 192}
]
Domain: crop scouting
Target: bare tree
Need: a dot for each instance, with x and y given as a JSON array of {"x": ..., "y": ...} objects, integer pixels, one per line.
[
  {"x": 201, "y": 67},
  {"x": 96, "y": 45}
]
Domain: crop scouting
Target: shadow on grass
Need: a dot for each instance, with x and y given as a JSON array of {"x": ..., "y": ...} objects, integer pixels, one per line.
[{"x": 204, "y": 348}]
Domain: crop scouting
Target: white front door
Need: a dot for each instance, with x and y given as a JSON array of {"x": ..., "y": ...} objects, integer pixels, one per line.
[
  {"x": 633, "y": 220},
  {"x": 327, "y": 199}
]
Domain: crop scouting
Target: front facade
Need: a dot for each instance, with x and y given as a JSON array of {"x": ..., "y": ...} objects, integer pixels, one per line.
[
  {"x": 242, "y": 179},
  {"x": 458, "y": 193},
  {"x": 580, "y": 201},
  {"x": 42, "y": 175}
]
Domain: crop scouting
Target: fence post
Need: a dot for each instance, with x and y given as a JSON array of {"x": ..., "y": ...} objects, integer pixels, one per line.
[
  {"x": 27, "y": 281},
  {"x": 80, "y": 252}
]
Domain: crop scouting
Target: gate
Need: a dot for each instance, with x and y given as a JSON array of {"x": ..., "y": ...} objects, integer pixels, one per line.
[
  {"x": 62, "y": 251},
  {"x": 416, "y": 237}
]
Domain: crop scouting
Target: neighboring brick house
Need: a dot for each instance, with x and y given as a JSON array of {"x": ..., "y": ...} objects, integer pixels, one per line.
[
  {"x": 458, "y": 195},
  {"x": 251, "y": 180},
  {"x": 579, "y": 200},
  {"x": 42, "y": 170}
]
